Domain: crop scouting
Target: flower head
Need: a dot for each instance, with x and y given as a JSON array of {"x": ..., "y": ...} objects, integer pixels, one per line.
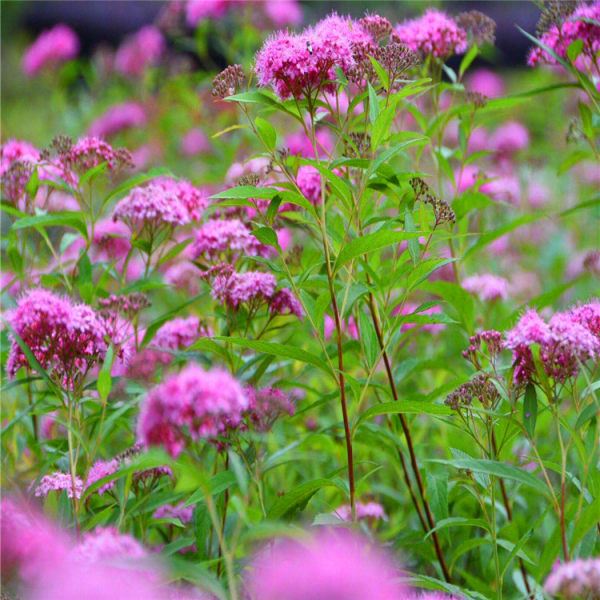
[
  {"x": 190, "y": 405},
  {"x": 52, "y": 47},
  {"x": 117, "y": 118},
  {"x": 57, "y": 482},
  {"x": 99, "y": 470},
  {"x": 266, "y": 405},
  {"x": 106, "y": 544},
  {"x": 251, "y": 287},
  {"x": 369, "y": 511},
  {"x": 140, "y": 51},
  {"x": 576, "y": 579},
  {"x": 487, "y": 287},
  {"x": 433, "y": 33},
  {"x": 178, "y": 511},
  {"x": 331, "y": 564},
  {"x": 285, "y": 303},
  {"x": 67, "y": 339}
]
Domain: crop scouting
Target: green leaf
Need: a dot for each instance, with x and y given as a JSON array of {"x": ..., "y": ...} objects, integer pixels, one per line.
[
  {"x": 279, "y": 350},
  {"x": 468, "y": 58},
  {"x": 266, "y": 236},
  {"x": 267, "y": 133},
  {"x": 459, "y": 522},
  {"x": 104, "y": 383},
  {"x": 497, "y": 469},
  {"x": 530, "y": 409},
  {"x": 574, "y": 49},
  {"x": 61, "y": 219},
  {"x": 158, "y": 323},
  {"x": 245, "y": 192},
  {"x": 370, "y": 242},
  {"x": 381, "y": 127},
  {"x": 373, "y": 105},
  {"x": 588, "y": 518},
  {"x": 381, "y": 73},
  {"x": 405, "y": 407},
  {"x": 369, "y": 338},
  {"x": 296, "y": 500}
]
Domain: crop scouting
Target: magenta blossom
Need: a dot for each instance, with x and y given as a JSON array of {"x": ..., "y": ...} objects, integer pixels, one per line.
[
  {"x": 330, "y": 564},
  {"x": 53, "y": 47},
  {"x": 57, "y": 482},
  {"x": 487, "y": 287},
  {"x": 579, "y": 578},
  {"x": 284, "y": 12},
  {"x": 433, "y": 33},
  {"x": 190, "y": 405},
  {"x": 251, "y": 287},
  {"x": 486, "y": 82},
  {"x": 194, "y": 142},
  {"x": 510, "y": 137},
  {"x": 178, "y": 511},
  {"x": 140, "y": 51},
  {"x": 369, "y": 511},
  {"x": 117, "y": 118}
]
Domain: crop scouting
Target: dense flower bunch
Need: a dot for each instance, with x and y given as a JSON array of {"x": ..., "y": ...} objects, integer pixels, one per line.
[
  {"x": 434, "y": 33},
  {"x": 89, "y": 152},
  {"x": 266, "y": 405},
  {"x": 99, "y": 470},
  {"x": 285, "y": 303},
  {"x": 487, "y": 286},
  {"x": 577, "y": 26},
  {"x": 228, "y": 237},
  {"x": 565, "y": 341},
  {"x": 66, "y": 339},
  {"x": 53, "y": 46},
  {"x": 365, "y": 511},
  {"x": 250, "y": 287},
  {"x": 193, "y": 199},
  {"x": 300, "y": 64},
  {"x": 576, "y": 579},
  {"x": 106, "y": 544},
  {"x": 117, "y": 118},
  {"x": 56, "y": 482},
  {"x": 179, "y": 511},
  {"x": 140, "y": 51},
  {"x": 331, "y": 564},
  {"x": 150, "y": 208},
  {"x": 190, "y": 405}
]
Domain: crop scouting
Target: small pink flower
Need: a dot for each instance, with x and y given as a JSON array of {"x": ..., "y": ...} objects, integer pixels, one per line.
[
  {"x": 486, "y": 82},
  {"x": 53, "y": 46},
  {"x": 194, "y": 142},
  {"x": 57, "y": 482},
  {"x": 284, "y": 13},
  {"x": 201, "y": 10},
  {"x": 284, "y": 302},
  {"x": 178, "y": 511},
  {"x": 510, "y": 137},
  {"x": 117, "y": 118},
  {"x": 487, "y": 287},
  {"x": 370, "y": 511},
  {"x": 140, "y": 51},
  {"x": 251, "y": 287}
]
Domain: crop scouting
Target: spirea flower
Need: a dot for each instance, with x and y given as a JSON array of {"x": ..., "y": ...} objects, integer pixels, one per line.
[
  {"x": 559, "y": 36},
  {"x": 117, "y": 118},
  {"x": 111, "y": 240},
  {"x": 228, "y": 238},
  {"x": 105, "y": 544},
  {"x": 67, "y": 339},
  {"x": 487, "y": 287},
  {"x": 284, "y": 12},
  {"x": 564, "y": 342},
  {"x": 579, "y": 578},
  {"x": 151, "y": 207},
  {"x": 140, "y": 51},
  {"x": 29, "y": 544},
  {"x": 486, "y": 82},
  {"x": 331, "y": 564},
  {"x": 191, "y": 404},
  {"x": 348, "y": 327},
  {"x": 588, "y": 315},
  {"x": 52, "y": 47},
  {"x": 57, "y": 482},
  {"x": 194, "y": 199},
  {"x": 17, "y": 150},
  {"x": 194, "y": 142},
  {"x": 433, "y": 33},
  {"x": 308, "y": 180},
  {"x": 200, "y": 10},
  {"x": 251, "y": 287},
  {"x": 298, "y": 65},
  {"x": 89, "y": 152},
  {"x": 369, "y": 511},
  {"x": 510, "y": 137},
  {"x": 99, "y": 470},
  {"x": 285, "y": 303},
  {"x": 177, "y": 511},
  {"x": 266, "y": 405}
]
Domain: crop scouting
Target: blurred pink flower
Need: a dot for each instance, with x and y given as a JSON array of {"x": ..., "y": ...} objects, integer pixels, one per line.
[
  {"x": 330, "y": 564},
  {"x": 370, "y": 511},
  {"x": 57, "y": 482},
  {"x": 284, "y": 12},
  {"x": 486, "y": 82},
  {"x": 348, "y": 327},
  {"x": 510, "y": 137},
  {"x": 432, "y": 33},
  {"x": 487, "y": 287},
  {"x": 139, "y": 51},
  {"x": 200, "y": 10},
  {"x": 52, "y": 47},
  {"x": 194, "y": 142},
  {"x": 117, "y": 118},
  {"x": 410, "y": 308},
  {"x": 251, "y": 287}
]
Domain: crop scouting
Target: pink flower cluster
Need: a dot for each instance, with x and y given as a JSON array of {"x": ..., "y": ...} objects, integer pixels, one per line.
[
  {"x": 228, "y": 238},
  {"x": 140, "y": 51},
  {"x": 66, "y": 338},
  {"x": 16, "y": 150},
  {"x": 99, "y": 470},
  {"x": 369, "y": 511},
  {"x": 308, "y": 180},
  {"x": 559, "y": 37},
  {"x": 566, "y": 340},
  {"x": 178, "y": 511},
  {"x": 576, "y": 579},
  {"x": 194, "y": 142},
  {"x": 53, "y": 46},
  {"x": 190, "y": 405},
  {"x": 433, "y": 33},
  {"x": 251, "y": 287},
  {"x": 151, "y": 207},
  {"x": 487, "y": 287},
  {"x": 200, "y": 10},
  {"x": 265, "y": 406},
  {"x": 90, "y": 152},
  {"x": 285, "y": 303},
  {"x": 105, "y": 544},
  {"x": 300, "y": 64},
  {"x": 57, "y": 482},
  {"x": 117, "y": 118},
  {"x": 330, "y": 564}
]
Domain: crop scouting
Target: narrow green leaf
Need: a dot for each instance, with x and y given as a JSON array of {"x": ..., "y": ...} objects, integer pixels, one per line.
[
  {"x": 530, "y": 409},
  {"x": 296, "y": 500}
]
